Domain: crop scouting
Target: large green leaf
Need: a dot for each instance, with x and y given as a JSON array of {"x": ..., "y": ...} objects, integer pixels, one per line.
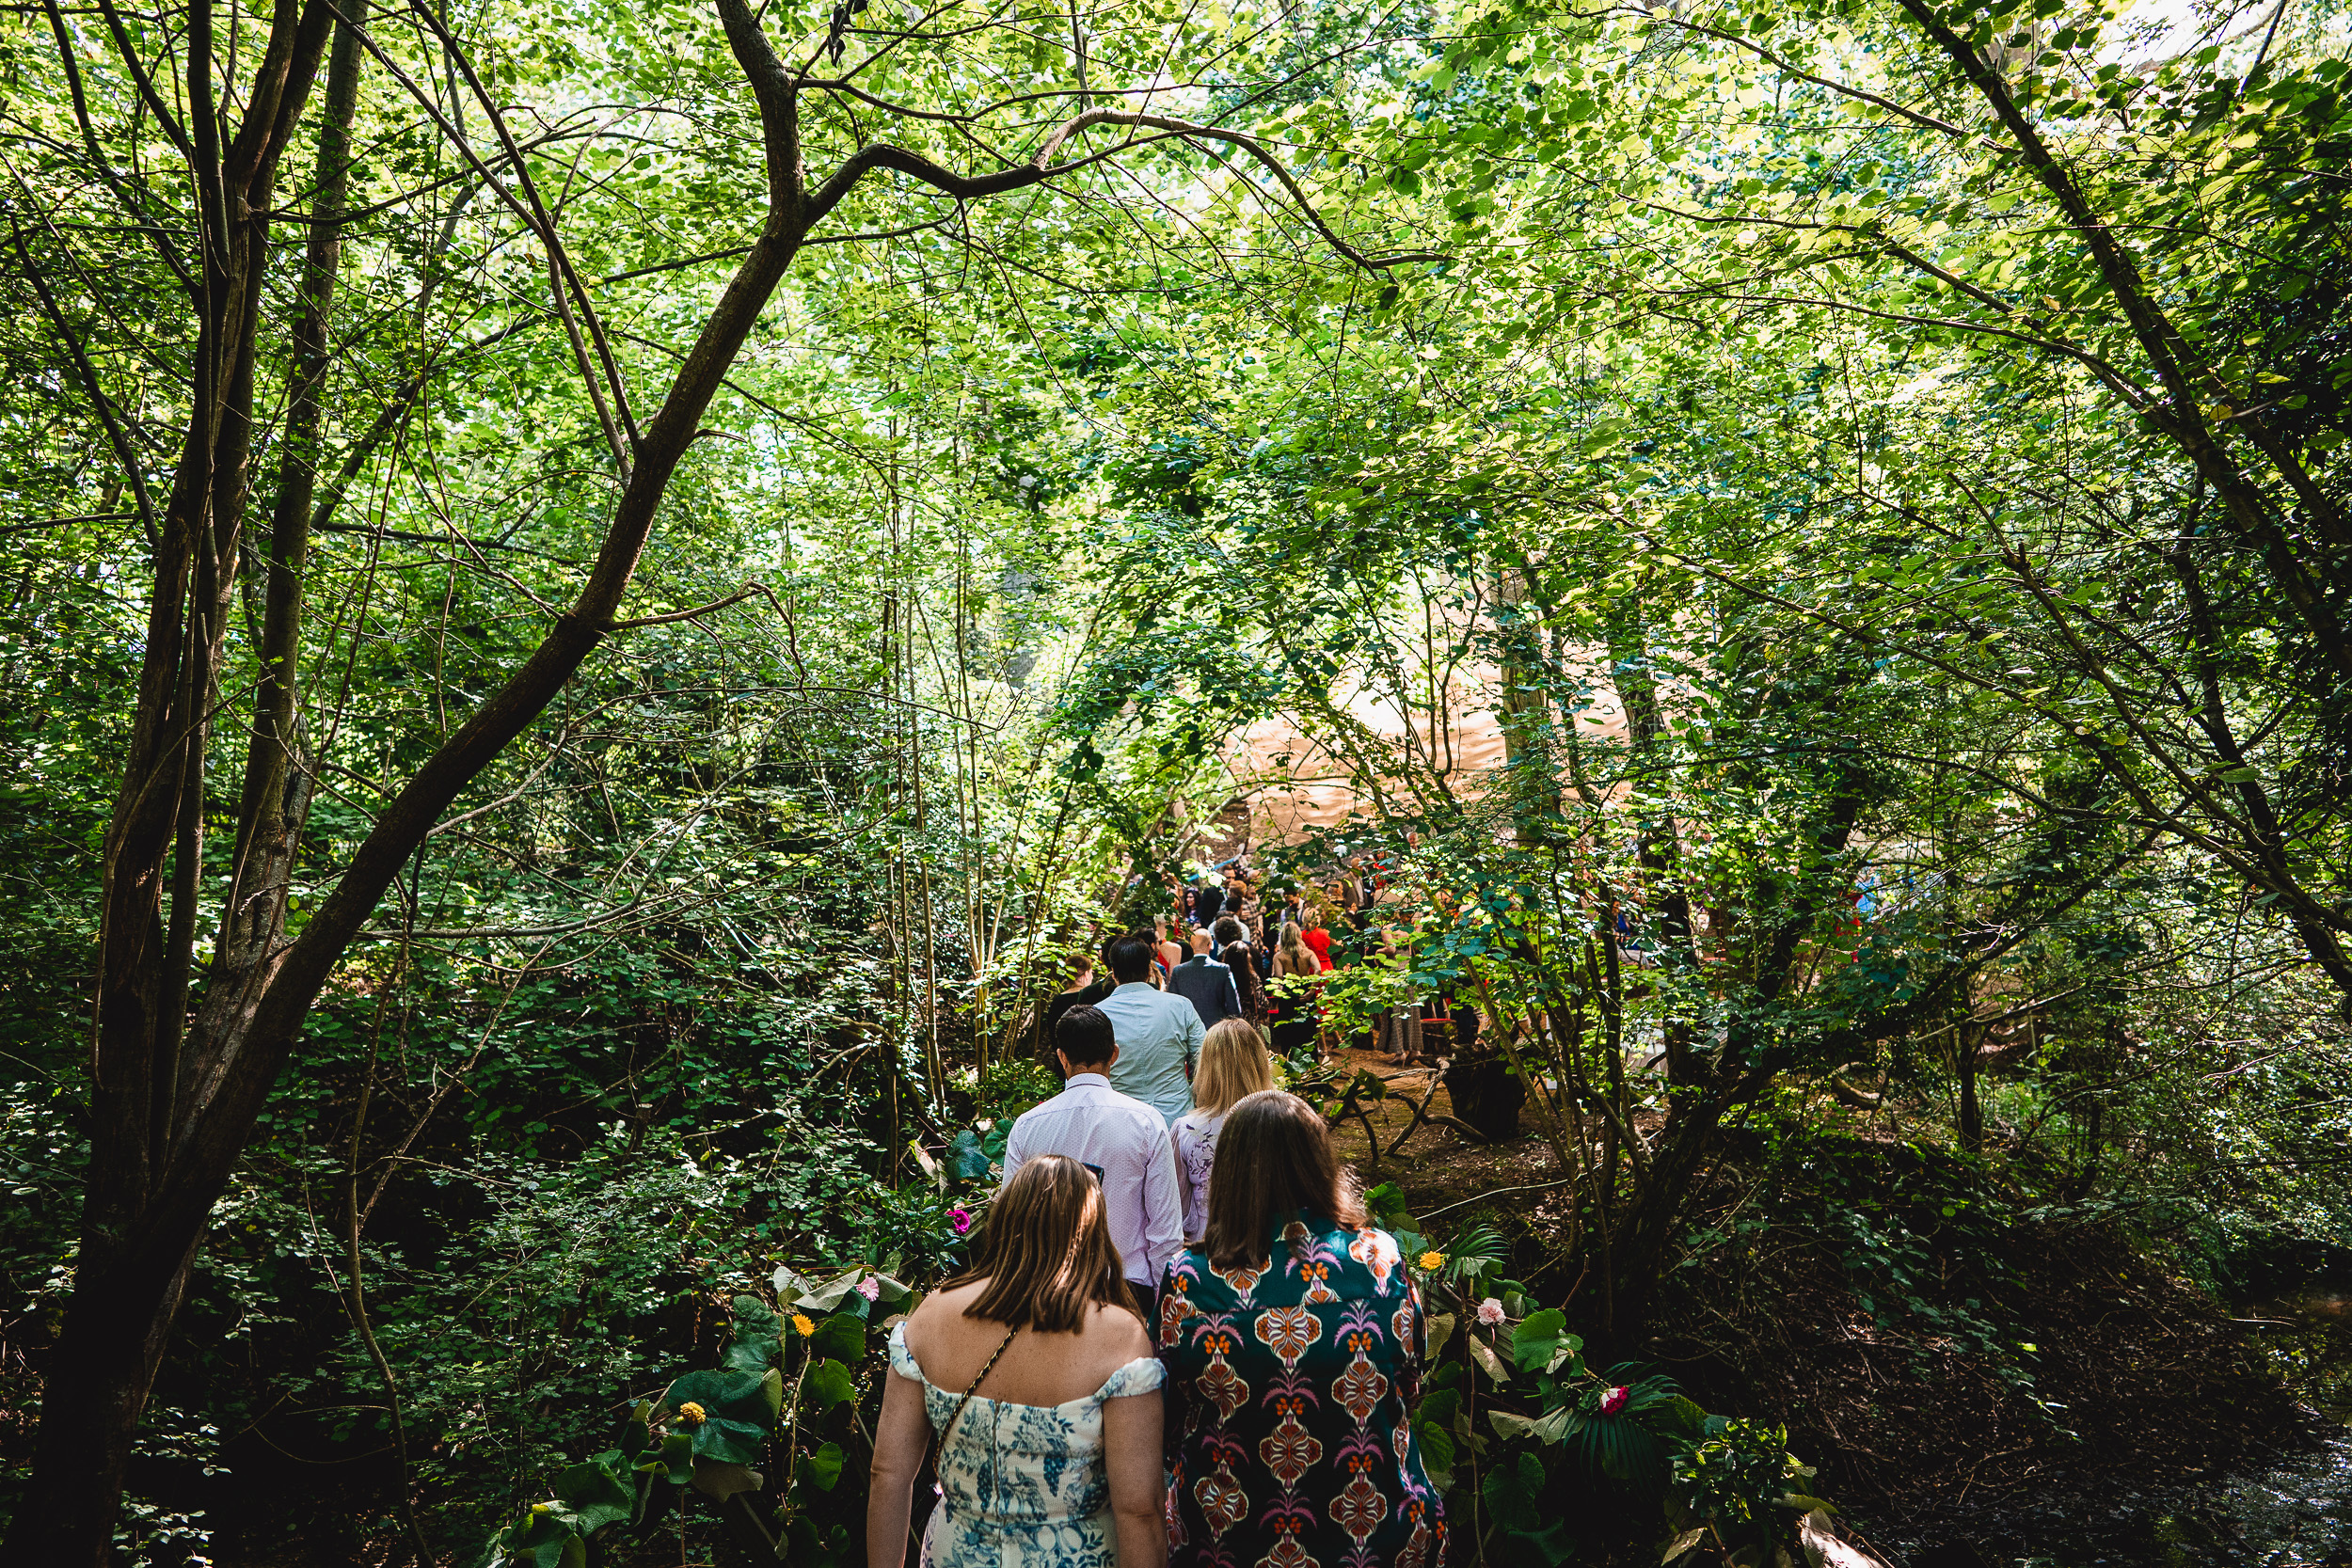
[
  {"x": 827, "y": 1383},
  {"x": 755, "y": 1346},
  {"x": 593, "y": 1493},
  {"x": 1437, "y": 1446},
  {"x": 840, "y": 1337},
  {"x": 735, "y": 1395},
  {"x": 967, "y": 1157},
  {"x": 543, "y": 1538},
  {"x": 1514, "y": 1493}
]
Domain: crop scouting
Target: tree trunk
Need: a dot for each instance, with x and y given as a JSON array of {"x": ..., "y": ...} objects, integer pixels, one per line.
[
  {"x": 175, "y": 1091},
  {"x": 1965, "y": 1043}
]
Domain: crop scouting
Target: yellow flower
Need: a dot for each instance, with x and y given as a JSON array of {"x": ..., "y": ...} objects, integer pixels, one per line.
[
  {"x": 802, "y": 1321},
  {"x": 692, "y": 1414},
  {"x": 1432, "y": 1261}
]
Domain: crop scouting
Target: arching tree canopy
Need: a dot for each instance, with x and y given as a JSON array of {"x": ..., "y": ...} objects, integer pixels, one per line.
[{"x": 599, "y": 598}]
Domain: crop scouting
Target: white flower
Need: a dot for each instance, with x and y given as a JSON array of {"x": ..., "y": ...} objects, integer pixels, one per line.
[
  {"x": 1490, "y": 1311},
  {"x": 986, "y": 1124}
]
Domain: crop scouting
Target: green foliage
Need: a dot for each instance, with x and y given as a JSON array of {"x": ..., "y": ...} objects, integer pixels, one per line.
[
  {"x": 1777, "y": 468},
  {"x": 1566, "y": 1453},
  {"x": 705, "y": 1426}
]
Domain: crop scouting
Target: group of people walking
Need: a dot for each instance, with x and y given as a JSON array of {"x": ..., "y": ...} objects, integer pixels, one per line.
[
  {"x": 1179, "y": 1339},
  {"x": 1232, "y": 954}
]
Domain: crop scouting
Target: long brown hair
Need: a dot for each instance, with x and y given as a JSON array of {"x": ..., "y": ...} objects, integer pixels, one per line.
[
  {"x": 1274, "y": 1157},
  {"x": 1046, "y": 1251}
]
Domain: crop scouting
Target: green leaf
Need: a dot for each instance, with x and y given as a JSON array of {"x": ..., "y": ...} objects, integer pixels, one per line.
[
  {"x": 755, "y": 1346},
  {"x": 673, "y": 1459},
  {"x": 735, "y": 1395},
  {"x": 722, "y": 1479},
  {"x": 593, "y": 1493},
  {"x": 1554, "y": 1543},
  {"x": 636, "y": 1434},
  {"x": 967, "y": 1157},
  {"x": 827, "y": 1383},
  {"x": 822, "y": 1468},
  {"x": 841, "y": 1337},
  {"x": 543, "y": 1540},
  {"x": 1680, "y": 1415},
  {"x": 1542, "y": 1341},
  {"x": 1681, "y": 1545},
  {"x": 728, "y": 1441},
  {"x": 1513, "y": 1493}
]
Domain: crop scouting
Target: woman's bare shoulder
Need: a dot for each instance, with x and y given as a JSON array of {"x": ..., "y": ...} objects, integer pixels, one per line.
[
  {"x": 939, "y": 1312},
  {"x": 1119, "y": 1333}
]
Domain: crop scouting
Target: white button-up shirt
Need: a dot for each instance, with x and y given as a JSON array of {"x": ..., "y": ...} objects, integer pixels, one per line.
[{"x": 1127, "y": 1142}]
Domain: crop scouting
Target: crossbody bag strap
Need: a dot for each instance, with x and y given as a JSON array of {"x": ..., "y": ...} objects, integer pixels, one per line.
[{"x": 986, "y": 1366}]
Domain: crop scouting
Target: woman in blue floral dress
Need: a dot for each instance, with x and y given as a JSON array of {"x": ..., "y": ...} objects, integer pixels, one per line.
[
  {"x": 1035, "y": 1371},
  {"x": 1293, "y": 1338}
]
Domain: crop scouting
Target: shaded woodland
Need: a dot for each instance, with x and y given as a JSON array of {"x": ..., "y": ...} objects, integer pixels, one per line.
[{"x": 598, "y": 601}]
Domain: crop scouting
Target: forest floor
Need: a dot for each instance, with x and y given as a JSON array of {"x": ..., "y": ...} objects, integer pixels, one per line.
[{"x": 2033, "y": 1388}]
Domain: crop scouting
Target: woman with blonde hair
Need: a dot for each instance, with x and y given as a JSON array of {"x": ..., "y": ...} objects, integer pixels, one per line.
[
  {"x": 1294, "y": 1011},
  {"x": 1234, "y": 1065},
  {"x": 1057, "y": 1466},
  {"x": 1166, "y": 950}
]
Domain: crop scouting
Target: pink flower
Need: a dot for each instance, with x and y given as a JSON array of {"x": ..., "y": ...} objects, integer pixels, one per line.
[
  {"x": 1490, "y": 1311},
  {"x": 961, "y": 1219},
  {"x": 1615, "y": 1400},
  {"x": 869, "y": 1287}
]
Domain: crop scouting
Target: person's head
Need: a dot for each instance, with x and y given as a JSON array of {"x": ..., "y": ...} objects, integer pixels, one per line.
[
  {"x": 1081, "y": 969},
  {"x": 1233, "y": 1063},
  {"x": 1046, "y": 1251},
  {"x": 1130, "y": 958},
  {"x": 1293, "y": 942},
  {"x": 1274, "y": 1157},
  {"x": 1198, "y": 936},
  {"x": 1229, "y": 929},
  {"x": 1083, "y": 1040}
]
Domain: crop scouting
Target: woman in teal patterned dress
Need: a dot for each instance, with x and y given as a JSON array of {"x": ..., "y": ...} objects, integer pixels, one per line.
[
  {"x": 1035, "y": 1369},
  {"x": 1293, "y": 1338}
]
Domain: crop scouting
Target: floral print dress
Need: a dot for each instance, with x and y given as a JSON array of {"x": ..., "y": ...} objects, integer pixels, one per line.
[
  {"x": 1022, "y": 1485},
  {"x": 1291, "y": 1392}
]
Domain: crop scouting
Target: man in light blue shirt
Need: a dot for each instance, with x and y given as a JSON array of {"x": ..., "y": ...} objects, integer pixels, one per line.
[{"x": 1159, "y": 1033}]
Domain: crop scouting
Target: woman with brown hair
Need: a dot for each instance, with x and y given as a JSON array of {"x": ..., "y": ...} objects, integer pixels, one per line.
[
  {"x": 1238, "y": 952},
  {"x": 1293, "y": 1338},
  {"x": 1057, "y": 1466},
  {"x": 1234, "y": 1065}
]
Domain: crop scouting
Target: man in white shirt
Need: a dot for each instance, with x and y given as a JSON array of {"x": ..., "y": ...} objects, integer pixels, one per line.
[
  {"x": 1159, "y": 1033},
  {"x": 1123, "y": 1141}
]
